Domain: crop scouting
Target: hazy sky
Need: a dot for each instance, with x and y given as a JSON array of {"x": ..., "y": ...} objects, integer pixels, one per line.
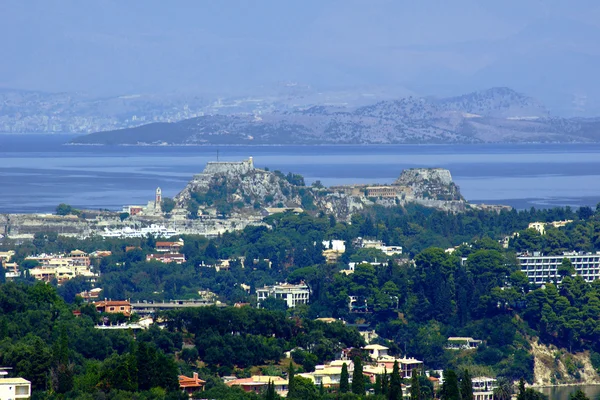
[{"x": 549, "y": 49}]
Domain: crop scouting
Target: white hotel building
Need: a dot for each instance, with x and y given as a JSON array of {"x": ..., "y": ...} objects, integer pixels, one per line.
[
  {"x": 540, "y": 268},
  {"x": 291, "y": 294}
]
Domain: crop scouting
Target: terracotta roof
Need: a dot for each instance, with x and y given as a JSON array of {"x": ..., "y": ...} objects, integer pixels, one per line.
[
  {"x": 186, "y": 381},
  {"x": 165, "y": 244},
  {"x": 107, "y": 303}
]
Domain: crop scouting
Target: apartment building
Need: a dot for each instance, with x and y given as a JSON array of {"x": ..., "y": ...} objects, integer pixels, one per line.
[{"x": 541, "y": 268}]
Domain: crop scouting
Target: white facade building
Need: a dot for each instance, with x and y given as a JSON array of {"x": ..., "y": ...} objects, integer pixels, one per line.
[
  {"x": 14, "y": 388},
  {"x": 483, "y": 388},
  {"x": 335, "y": 245},
  {"x": 291, "y": 294},
  {"x": 540, "y": 268}
]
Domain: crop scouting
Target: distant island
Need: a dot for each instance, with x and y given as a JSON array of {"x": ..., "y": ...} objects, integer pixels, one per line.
[{"x": 497, "y": 115}]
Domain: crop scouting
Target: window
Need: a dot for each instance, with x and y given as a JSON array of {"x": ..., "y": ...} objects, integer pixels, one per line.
[
  {"x": 122, "y": 308},
  {"x": 22, "y": 390},
  {"x": 111, "y": 309}
]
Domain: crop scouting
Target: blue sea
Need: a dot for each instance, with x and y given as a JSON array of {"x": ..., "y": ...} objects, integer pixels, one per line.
[{"x": 37, "y": 172}]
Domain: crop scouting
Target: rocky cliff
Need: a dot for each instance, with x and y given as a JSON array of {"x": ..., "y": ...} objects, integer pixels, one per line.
[
  {"x": 430, "y": 183},
  {"x": 553, "y": 366},
  {"x": 242, "y": 185}
]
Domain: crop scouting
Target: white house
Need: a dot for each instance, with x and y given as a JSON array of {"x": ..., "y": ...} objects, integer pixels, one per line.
[
  {"x": 291, "y": 294},
  {"x": 14, "y": 388}
]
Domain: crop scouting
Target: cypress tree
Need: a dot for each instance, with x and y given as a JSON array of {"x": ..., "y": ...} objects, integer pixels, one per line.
[
  {"x": 466, "y": 386},
  {"x": 291, "y": 374},
  {"x": 344, "y": 377},
  {"x": 415, "y": 387},
  {"x": 377, "y": 387},
  {"x": 270, "y": 394},
  {"x": 358, "y": 379},
  {"x": 62, "y": 371},
  {"x": 385, "y": 382},
  {"x": 450, "y": 389},
  {"x": 521, "y": 395},
  {"x": 395, "y": 391}
]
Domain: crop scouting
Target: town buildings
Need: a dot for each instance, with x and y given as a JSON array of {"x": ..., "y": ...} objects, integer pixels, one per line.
[
  {"x": 291, "y": 294},
  {"x": 61, "y": 267},
  {"x": 15, "y": 388},
  {"x": 541, "y": 268}
]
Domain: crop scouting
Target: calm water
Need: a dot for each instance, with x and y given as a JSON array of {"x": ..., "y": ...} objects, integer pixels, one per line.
[
  {"x": 39, "y": 172},
  {"x": 562, "y": 393}
]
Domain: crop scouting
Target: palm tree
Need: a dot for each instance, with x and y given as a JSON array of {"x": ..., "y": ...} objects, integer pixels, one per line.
[{"x": 504, "y": 390}]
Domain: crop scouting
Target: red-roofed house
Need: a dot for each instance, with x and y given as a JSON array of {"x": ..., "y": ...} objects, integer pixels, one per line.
[
  {"x": 114, "y": 307},
  {"x": 166, "y": 258},
  {"x": 169, "y": 247},
  {"x": 191, "y": 385}
]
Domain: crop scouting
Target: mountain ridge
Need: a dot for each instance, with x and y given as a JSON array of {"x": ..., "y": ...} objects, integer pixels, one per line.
[{"x": 496, "y": 115}]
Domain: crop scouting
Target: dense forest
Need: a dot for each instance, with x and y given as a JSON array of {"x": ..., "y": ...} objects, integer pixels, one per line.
[{"x": 414, "y": 302}]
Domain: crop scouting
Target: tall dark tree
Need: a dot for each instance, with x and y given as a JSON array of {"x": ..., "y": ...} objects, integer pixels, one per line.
[
  {"x": 522, "y": 393},
  {"x": 62, "y": 371},
  {"x": 358, "y": 379},
  {"x": 450, "y": 390},
  {"x": 344, "y": 379},
  {"x": 415, "y": 387},
  {"x": 466, "y": 386},
  {"x": 385, "y": 382},
  {"x": 270, "y": 392},
  {"x": 395, "y": 390},
  {"x": 291, "y": 376}
]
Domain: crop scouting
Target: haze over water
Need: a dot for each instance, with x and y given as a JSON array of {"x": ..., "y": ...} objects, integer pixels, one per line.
[{"x": 39, "y": 172}]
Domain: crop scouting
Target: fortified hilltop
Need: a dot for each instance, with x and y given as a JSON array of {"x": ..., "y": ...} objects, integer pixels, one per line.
[
  {"x": 240, "y": 187},
  {"x": 433, "y": 183}
]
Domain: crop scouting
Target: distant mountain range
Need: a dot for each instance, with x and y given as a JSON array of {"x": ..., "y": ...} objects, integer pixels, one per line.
[{"x": 497, "y": 115}]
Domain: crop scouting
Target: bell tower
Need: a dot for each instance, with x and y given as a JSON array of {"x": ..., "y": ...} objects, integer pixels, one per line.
[{"x": 158, "y": 198}]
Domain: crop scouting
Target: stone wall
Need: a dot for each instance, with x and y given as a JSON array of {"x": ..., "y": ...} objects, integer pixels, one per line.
[{"x": 229, "y": 168}]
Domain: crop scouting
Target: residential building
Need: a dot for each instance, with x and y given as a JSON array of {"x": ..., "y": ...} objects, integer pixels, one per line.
[
  {"x": 329, "y": 375},
  {"x": 5, "y": 256},
  {"x": 79, "y": 258},
  {"x": 379, "y": 355},
  {"x": 291, "y": 294},
  {"x": 376, "y": 351},
  {"x": 191, "y": 385},
  {"x": 541, "y": 226},
  {"x": 540, "y": 268},
  {"x": 483, "y": 388},
  {"x": 114, "y": 307},
  {"x": 331, "y": 256},
  {"x": 336, "y": 245},
  {"x": 258, "y": 384},
  {"x": 379, "y": 245},
  {"x": 166, "y": 258},
  {"x": 462, "y": 343},
  {"x": 92, "y": 294},
  {"x": 11, "y": 270},
  {"x": 15, "y": 388},
  {"x": 133, "y": 210},
  {"x": 169, "y": 247}
]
